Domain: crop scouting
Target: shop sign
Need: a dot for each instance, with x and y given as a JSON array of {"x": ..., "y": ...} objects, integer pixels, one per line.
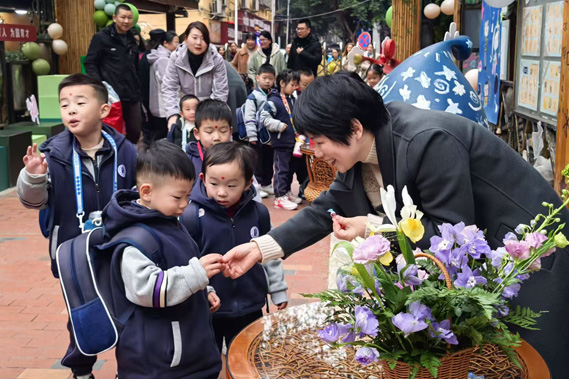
[{"x": 17, "y": 33}]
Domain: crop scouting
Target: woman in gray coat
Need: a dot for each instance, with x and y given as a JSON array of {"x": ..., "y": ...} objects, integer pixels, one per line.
[
  {"x": 195, "y": 68},
  {"x": 268, "y": 53}
]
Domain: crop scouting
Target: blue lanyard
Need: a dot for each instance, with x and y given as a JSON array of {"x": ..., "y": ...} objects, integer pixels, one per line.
[{"x": 79, "y": 179}]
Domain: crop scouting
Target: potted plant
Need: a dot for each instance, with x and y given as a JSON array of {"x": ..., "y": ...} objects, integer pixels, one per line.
[{"x": 422, "y": 314}]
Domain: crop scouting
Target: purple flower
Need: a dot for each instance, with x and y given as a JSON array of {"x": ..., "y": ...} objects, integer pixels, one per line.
[
  {"x": 453, "y": 233},
  {"x": 476, "y": 248},
  {"x": 509, "y": 237},
  {"x": 503, "y": 310},
  {"x": 420, "y": 311},
  {"x": 517, "y": 249},
  {"x": 442, "y": 330},
  {"x": 366, "y": 355},
  {"x": 511, "y": 291},
  {"x": 458, "y": 258},
  {"x": 408, "y": 273},
  {"x": 366, "y": 322},
  {"x": 347, "y": 283},
  {"x": 408, "y": 323},
  {"x": 333, "y": 332},
  {"x": 441, "y": 248},
  {"x": 549, "y": 252},
  {"x": 371, "y": 249},
  {"x": 497, "y": 256},
  {"x": 536, "y": 265},
  {"x": 535, "y": 240},
  {"x": 350, "y": 337},
  {"x": 469, "y": 279},
  {"x": 342, "y": 282}
]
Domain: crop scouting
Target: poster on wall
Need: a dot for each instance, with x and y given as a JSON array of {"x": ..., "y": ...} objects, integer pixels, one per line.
[
  {"x": 531, "y": 31},
  {"x": 528, "y": 83},
  {"x": 489, "y": 64},
  {"x": 550, "y": 88},
  {"x": 214, "y": 31},
  {"x": 553, "y": 29}
]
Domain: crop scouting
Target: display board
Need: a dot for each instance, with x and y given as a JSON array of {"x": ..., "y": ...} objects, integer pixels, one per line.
[{"x": 538, "y": 61}]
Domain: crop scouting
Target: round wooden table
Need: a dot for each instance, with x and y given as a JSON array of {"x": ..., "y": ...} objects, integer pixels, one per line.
[{"x": 245, "y": 361}]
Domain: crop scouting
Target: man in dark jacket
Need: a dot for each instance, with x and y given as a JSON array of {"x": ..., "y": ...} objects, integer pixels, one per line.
[
  {"x": 454, "y": 169},
  {"x": 113, "y": 57},
  {"x": 306, "y": 51}
]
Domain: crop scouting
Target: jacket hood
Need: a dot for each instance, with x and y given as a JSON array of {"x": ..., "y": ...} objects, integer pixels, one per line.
[
  {"x": 274, "y": 50},
  {"x": 199, "y": 195},
  {"x": 61, "y": 146},
  {"x": 155, "y": 54},
  {"x": 306, "y": 40},
  {"x": 122, "y": 212},
  {"x": 192, "y": 149},
  {"x": 211, "y": 58}
]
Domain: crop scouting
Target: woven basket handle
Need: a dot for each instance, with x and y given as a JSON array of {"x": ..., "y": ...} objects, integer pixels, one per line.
[{"x": 439, "y": 265}]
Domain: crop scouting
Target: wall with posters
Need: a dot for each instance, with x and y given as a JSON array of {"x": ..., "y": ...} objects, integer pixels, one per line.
[
  {"x": 489, "y": 63},
  {"x": 538, "y": 64}
]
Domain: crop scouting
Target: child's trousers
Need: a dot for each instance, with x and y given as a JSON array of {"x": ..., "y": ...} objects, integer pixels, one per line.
[{"x": 284, "y": 170}]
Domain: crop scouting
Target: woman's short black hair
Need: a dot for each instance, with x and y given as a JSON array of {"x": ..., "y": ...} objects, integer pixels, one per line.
[
  {"x": 214, "y": 110},
  {"x": 267, "y": 35},
  {"x": 250, "y": 35},
  {"x": 330, "y": 104},
  {"x": 228, "y": 152},
  {"x": 286, "y": 76},
  {"x": 84, "y": 80},
  {"x": 163, "y": 159},
  {"x": 199, "y": 26}
]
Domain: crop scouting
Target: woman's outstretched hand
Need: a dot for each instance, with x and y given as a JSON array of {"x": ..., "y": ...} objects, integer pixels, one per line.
[
  {"x": 240, "y": 259},
  {"x": 348, "y": 228}
]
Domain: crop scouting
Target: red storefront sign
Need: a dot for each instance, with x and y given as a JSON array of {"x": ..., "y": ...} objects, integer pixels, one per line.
[{"x": 17, "y": 33}]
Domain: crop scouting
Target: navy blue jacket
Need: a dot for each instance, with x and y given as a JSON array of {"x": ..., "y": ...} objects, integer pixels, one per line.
[
  {"x": 216, "y": 232},
  {"x": 97, "y": 191},
  {"x": 146, "y": 344},
  {"x": 287, "y": 138},
  {"x": 194, "y": 154}
]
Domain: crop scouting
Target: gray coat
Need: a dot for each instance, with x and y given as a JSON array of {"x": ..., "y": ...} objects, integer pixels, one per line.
[
  {"x": 277, "y": 60},
  {"x": 455, "y": 171},
  {"x": 158, "y": 60},
  {"x": 209, "y": 82}
]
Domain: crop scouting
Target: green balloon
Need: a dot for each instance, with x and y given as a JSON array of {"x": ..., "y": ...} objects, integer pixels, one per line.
[
  {"x": 100, "y": 18},
  {"x": 100, "y": 4},
  {"x": 388, "y": 16},
  {"x": 41, "y": 67},
  {"x": 31, "y": 50},
  {"x": 110, "y": 1},
  {"x": 134, "y": 13},
  {"x": 110, "y": 9},
  {"x": 137, "y": 28},
  {"x": 117, "y": 3}
]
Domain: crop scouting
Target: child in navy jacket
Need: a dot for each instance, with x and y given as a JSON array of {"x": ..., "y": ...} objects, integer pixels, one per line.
[
  {"x": 222, "y": 215},
  {"x": 169, "y": 334},
  {"x": 277, "y": 118},
  {"x": 105, "y": 162}
]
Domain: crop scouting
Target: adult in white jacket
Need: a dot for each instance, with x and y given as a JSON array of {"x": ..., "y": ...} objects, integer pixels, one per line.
[
  {"x": 195, "y": 68},
  {"x": 269, "y": 52}
]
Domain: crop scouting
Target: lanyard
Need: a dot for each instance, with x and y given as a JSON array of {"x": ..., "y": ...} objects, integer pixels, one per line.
[
  {"x": 285, "y": 102},
  {"x": 79, "y": 179},
  {"x": 200, "y": 150},
  {"x": 184, "y": 136}
]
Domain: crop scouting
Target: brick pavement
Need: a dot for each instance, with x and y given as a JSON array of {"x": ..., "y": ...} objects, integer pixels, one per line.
[{"x": 33, "y": 336}]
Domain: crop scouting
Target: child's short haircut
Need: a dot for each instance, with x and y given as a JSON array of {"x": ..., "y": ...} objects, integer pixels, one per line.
[
  {"x": 163, "y": 159},
  {"x": 378, "y": 69},
  {"x": 214, "y": 110},
  {"x": 266, "y": 68},
  {"x": 186, "y": 98},
  {"x": 124, "y": 7},
  {"x": 287, "y": 76},
  {"x": 305, "y": 72},
  {"x": 228, "y": 152},
  {"x": 84, "y": 80}
]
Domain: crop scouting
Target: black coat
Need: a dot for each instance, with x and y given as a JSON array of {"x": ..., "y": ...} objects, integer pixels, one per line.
[
  {"x": 310, "y": 57},
  {"x": 455, "y": 171},
  {"x": 109, "y": 59}
]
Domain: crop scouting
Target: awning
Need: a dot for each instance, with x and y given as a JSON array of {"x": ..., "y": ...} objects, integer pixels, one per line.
[{"x": 164, "y": 6}]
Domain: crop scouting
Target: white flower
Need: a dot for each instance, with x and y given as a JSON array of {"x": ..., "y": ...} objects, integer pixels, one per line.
[
  {"x": 389, "y": 203},
  {"x": 409, "y": 209}
]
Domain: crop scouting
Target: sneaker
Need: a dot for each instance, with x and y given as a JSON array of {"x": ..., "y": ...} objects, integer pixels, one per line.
[
  {"x": 89, "y": 376},
  {"x": 263, "y": 194},
  {"x": 284, "y": 203},
  {"x": 294, "y": 199},
  {"x": 268, "y": 189}
]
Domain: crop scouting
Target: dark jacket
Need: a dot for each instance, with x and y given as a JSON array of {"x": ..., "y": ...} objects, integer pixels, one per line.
[
  {"x": 455, "y": 171},
  {"x": 109, "y": 59},
  {"x": 97, "y": 191},
  {"x": 273, "y": 116},
  {"x": 237, "y": 92},
  {"x": 147, "y": 345},
  {"x": 217, "y": 232},
  {"x": 194, "y": 154},
  {"x": 175, "y": 133},
  {"x": 310, "y": 57}
]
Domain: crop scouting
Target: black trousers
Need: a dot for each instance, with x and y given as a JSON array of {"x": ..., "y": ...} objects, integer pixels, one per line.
[
  {"x": 264, "y": 168},
  {"x": 154, "y": 128},
  {"x": 230, "y": 327},
  {"x": 78, "y": 363},
  {"x": 132, "y": 115}
]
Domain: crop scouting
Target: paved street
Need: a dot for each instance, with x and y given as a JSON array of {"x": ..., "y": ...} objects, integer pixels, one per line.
[{"x": 33, "y": 336}]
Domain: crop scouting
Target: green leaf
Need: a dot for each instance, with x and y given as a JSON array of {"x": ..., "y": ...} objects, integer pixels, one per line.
[
  {"x": 405, "y": 247},
  {"x": 346, "y": 245},
  {"x": 431, "y": 363},
  {"x": 523, "y": 317}
]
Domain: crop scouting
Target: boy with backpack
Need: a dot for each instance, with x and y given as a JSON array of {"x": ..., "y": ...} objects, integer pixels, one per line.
[
  {"x": 182, "y": 131},
  {"x": 222, "y": 215},
  {"x": 169, "y": 333},
  {"x": 75, "y": 175},
  {"x": 251, "y": 112}
]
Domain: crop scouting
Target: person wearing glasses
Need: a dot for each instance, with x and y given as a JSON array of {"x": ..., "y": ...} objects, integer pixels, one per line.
[
  {"x": 306, "y": 51},
  {"x": 268, "y": 53}
]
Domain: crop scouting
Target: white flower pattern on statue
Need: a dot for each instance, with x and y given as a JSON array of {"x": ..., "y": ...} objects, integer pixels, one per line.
[
  {"x": 453, "y": 107},
  {"x": 424, "y": 79},
  {"x": 447, "y": 73},
  {"x": 408, "y": 74},
  {"x": 441, "y": 87},
  {"x": 422, "y": 103},
  {"x": 405, "y": 93},
  {"x": 458, "y": 88}
]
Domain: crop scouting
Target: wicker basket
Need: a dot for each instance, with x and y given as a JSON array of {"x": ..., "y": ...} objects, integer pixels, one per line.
[
  {"x": 454, "y": 366},
  {"x": 321, "y": 175}
]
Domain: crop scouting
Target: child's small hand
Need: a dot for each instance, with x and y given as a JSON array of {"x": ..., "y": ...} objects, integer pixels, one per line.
[
  {"x": 284, "y": 128},
  {"x": 282, "y": 306},
  {"x": 34, "y": 161},
  {"x": 212, "y": 264},
  {"x": 214, "y": 302}
]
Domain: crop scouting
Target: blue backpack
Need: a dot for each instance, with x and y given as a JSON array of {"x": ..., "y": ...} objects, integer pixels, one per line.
[
  {"x": 85, "y": 264},
  {"x": 263, "y": 134}
]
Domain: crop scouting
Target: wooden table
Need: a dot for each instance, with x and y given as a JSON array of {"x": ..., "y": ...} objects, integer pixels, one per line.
[{"x": 241, "y": 355}]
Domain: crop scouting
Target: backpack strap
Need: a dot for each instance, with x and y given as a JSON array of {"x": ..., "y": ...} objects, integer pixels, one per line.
[{"x": 191, "y": 220}]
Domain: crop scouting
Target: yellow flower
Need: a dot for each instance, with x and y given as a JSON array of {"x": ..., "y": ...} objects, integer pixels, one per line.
[
  {"x": 386, "y": 258},
  {"x": 413, "y": 229}
]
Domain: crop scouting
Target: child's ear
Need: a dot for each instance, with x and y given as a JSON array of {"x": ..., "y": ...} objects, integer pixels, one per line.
[
  {"x": 145, "y": 192},
  {"x": 104, "y": 110},
  {"x": 202, "y": 177},
  {"x": 249, "y": 185},
  {"x": 196, "y": 133}
]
